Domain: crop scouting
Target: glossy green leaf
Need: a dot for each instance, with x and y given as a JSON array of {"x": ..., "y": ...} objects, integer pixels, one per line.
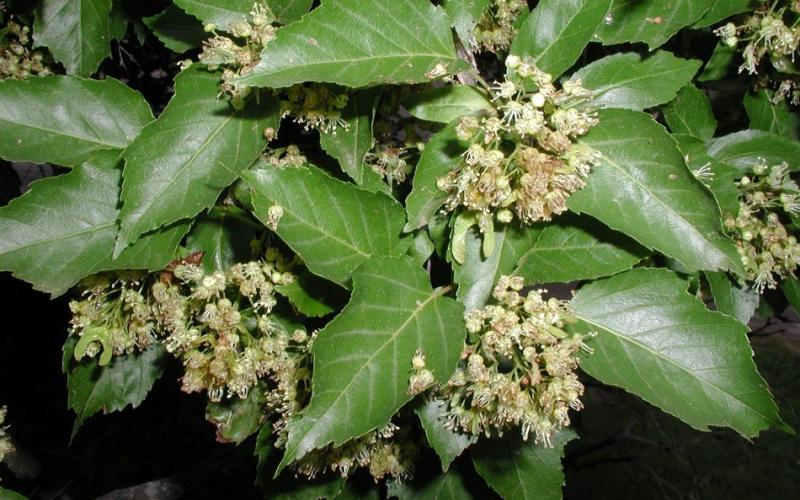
[
  {"x": 791, "y": 289},
  {"x": 740, "y": 303},
  {"x": 441, "y": 154},
  {"x": 575, "y": 248},
  {"x": 650, "y": 21},
  {"x": 349, "y": 145},
  {"x": 520, "y": 470},
  {"x": 661, "y": 343},
  {"x": 447, "y": 443},
  {"x": 77, "y": 33},
  {"x": 643, "y": 189},
  {"x": 346, "y": 42},
  {"x": 423, "y": 246},
  {"x": 478, "y": 274},
  {"x": 7, "y": 494},
  {"x": 445, "y": 104},
  {"x": 125, "y": 381},
  {"x": 451, "y": 485},
  {"x": 312, "y": 296},
  {"x": 220, "y": 13},
  {"x": 224, "y": 237},
  {"x": 771, "y": 117},
  {"x": 332, "y": 225},
  {"x": 690, "y": 113},
  {"x": 63, "y": 119},
  {"x": 719, "y": 64},
  {"x": 723, "y": 9},
  {"x": 289, "y": 11},
  {"x": 722, "y": 181},
  {"x": 64, "y": 228},
  {"x": 177, "y": 30},
  {"x": 464, "y": 15},
  {"x": 237, "y": 419},
  {"x": 748, "y": 147},
  {"x": 180, "y": 163},
  {"x": 627, "y": 81},
  {"x": 556, "y": 32},
  {"x": 362, "y": 358}
]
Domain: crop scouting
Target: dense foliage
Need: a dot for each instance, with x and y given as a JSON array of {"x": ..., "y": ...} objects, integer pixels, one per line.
[{"x": 369, "y": 229}]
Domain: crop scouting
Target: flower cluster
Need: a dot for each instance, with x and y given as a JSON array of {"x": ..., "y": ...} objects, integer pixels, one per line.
[
  {"x": 219, "y": 325},
  {"x": 387, "y": 453},
  {"x": 390, "y": 163},
  {"x": 283, "y": 157},
  {"x": 773, "y": 31},
  {"x": 5, "y": 440},
  {"x": 238, "y": 53},
  {"x": 518, "y": 369},
  {"x": 767, "y": 249},
  {"x": 17, "y": 60},
  {"x": 495, "y": 29},
  {"x": 113, "y": 316},
  {"x": 315, "y": 106},
  {"x": 522, "y": 160}
]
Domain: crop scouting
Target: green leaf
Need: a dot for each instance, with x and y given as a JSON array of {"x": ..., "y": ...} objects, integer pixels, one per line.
[
  {"x": 690, "y": 113},
  {"x": 346, "y": 42},
  {"x": 771, "y": 117},
  {"x": 791, "y": 289},
  {"x": 423, "y": 246},
  {"x": 220, "y": 13},
  {"x": 177, "y": 30},
  {"x": 650, "y": 21},
  {"x": 64, "y": 228},
  {"x": 125, "y": 381},
  {"x": 312, "y": 296},
  {"x": 448, "y": 444},
  {"x": 181, "y": 162},
  {"x": 349, "y": 145},
  {"x": 7, "y": 494},
  {"x": 643, "y": 189},
  {"x": 627, "y": 81},
  {"x": 445, "y": 104},
  {"x": 451, "y": 485},
  {"x": 63, "y": 119},
  {"x": 289, "y": 11},
  {"x": 722, "y": 183},
  {"x": 719, "y": 64},
  {"x": 556, "y": 32},
  {"x": 737, "y": 302},
  {"x": 523, "y": 470},
  {"x": 441, "y": 154},
  {"x": 575, "y": 248},
  {"x": 362, "y": 359},
  {"x": 723, "y": 9},
  {"x": 237, "y": 419},
  {"x": 464, "y": 15},
  {"x": 224, "y": 238},
  {"x": 662, "y": 344},
  {"x": 748, "y": 147},
  {"x": 77, "y": 33},
  {"x": 332, "y": 225},
  {"x": 478, "y": 274}
]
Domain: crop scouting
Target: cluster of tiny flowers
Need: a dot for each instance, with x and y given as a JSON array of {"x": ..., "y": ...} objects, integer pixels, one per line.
[
  {"x": 238, "y": 53},
  {"x": 290, "y": 156},
  {"x": 314, "y": 106},
  {"x": 518, "y": 369},
  {"x": 495, "y": 29},
  {"x": 17, "y": 60},
  {"x": 113, "y": 316},
  {"x": 390, "y": 163},
  {"x": 772, "y": 30},
  {"x": 387, "y": 453},
  {"x": 5, "y": 440},
  {"x": 533, "y": 178},
  {"x": 767, "y": 249},
  {"x": 205, "y": 318}
]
